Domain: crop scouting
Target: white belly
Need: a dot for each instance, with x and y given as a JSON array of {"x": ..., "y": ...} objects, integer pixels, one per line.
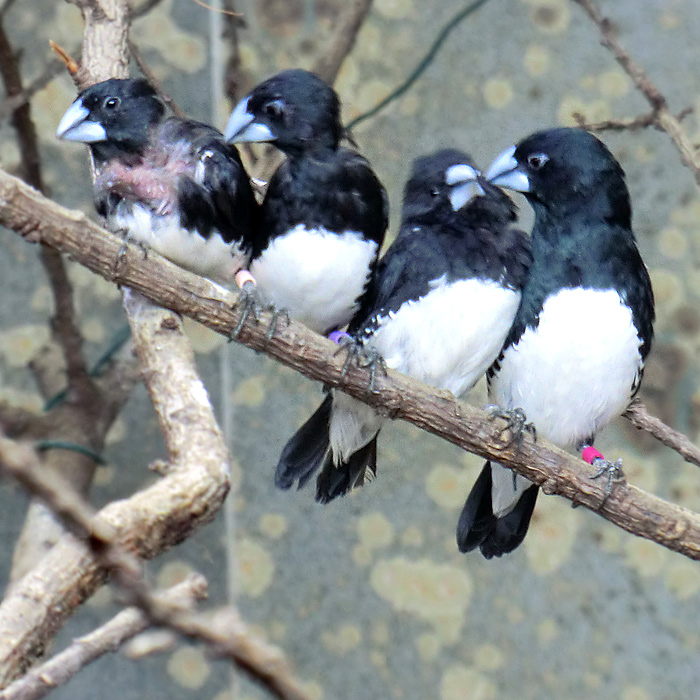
[
  {"x": 315, "y": 274},
  {"x": 449, "y": 337},
  {"x": 211, "y": 258},
  {"x": 574, "y": 372}
]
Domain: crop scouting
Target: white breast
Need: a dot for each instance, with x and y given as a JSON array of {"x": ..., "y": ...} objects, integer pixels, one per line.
[
  {"x": 315, "y": 274},
  {"x": 574, "y": 372},
  {"x": 449, "y": 337},
  {"x": 212, "y": 257}
]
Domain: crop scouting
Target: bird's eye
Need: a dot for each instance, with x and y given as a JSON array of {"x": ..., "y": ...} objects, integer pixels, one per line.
[
  {"x": 537, "y": 160},
  {"x": 434, "y": 192},
  {"x": 111, "y": 103},
  {"x": 274, "y": 109}
]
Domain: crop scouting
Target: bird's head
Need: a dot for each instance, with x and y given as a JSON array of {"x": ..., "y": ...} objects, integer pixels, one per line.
[
  {"x": 561, "y": 170},
  {"x": 294, "y": 109},
  {"x": 442, "y": 181},
  {"x": 113, "y": 116}
]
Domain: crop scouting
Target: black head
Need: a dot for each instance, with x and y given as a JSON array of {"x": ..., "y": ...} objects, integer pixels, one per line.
[
  {"x": 440, "y": 182},
  {"x": 562, "y": 170},
  {"x": 295, "y": 109},
  {"x": 114, "y": 117}
]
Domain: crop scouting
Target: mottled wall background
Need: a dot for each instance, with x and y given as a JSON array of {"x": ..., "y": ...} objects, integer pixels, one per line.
[{"x": 369, "y": 596}]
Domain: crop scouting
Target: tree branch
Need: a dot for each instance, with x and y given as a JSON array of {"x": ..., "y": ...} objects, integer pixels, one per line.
[
  {"x": 57, "y": 671},
  {"x": 224, "y": 632},
  {"x": 396, "y": 396},
  {"x": 343, "y": 38},
  {"x": 662, "y": 116}
]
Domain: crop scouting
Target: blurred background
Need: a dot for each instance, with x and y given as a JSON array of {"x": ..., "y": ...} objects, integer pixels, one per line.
[{"x": 369, "y": 596}]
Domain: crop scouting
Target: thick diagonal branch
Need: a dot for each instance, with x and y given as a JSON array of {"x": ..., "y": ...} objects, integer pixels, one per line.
[{"x": 399, "y": 397}]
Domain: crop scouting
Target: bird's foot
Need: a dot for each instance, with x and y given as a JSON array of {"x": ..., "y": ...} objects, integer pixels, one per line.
[
  {"x": 127, "y": 239},
  {"x": 612, "y": 471},
  {"x": 252, "y": 305},
  {"x": 359, "y": 355},
  {"x": 516, "y": 423},
  {"x": 248, "y": 301}
]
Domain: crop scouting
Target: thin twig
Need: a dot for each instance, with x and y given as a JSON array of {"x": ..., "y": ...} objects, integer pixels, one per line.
[
  {"x": 57, "y": 671},
  {"x": 640, "y": 417},
  {"x": 155, "y": 83},
  {"x": 643, "y": 121},
  {"x": 664, "y": 119}
]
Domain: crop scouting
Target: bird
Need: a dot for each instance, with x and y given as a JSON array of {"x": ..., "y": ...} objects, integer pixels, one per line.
[
  {"x": 574, "y": 357},
  {"x": 325, "y": 212},
  {"x": 169, "y": 184},
  {"x": 440, "y": 306}
]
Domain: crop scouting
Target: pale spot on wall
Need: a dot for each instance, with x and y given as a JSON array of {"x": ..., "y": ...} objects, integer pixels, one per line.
[
  {"x": 613, "y": 84},
  {"x": 552, "y": 534},
  {"x": 634, "y": 692},
  {"x": 667, "y": 286},
  {"x": 104, "y": 475},
  {"x": 93, "y": 330},
  {"x": 428, "y": 645},
  {"x": 342, "y": 640},
  {"x": 29, "y": 401},
  {"x": 172, "y": 573},
  {"x": 448, "y": 486},
  {"x": 464, "y": 683},
  {"x": 19, "y": 345},
  {"x": 394, "y": 9},
  {"x": 369, "y": 94},
  {"x": 203, "y": 339},
  {"x": 436, "y": 593},
  {"x": 101, "y": 598},
  {"x": 183, "y": 51},
  {"x": 42, "y": 299},
  {"x": 380, "y": 633},
  {"x": 375, "y": 531},
  {"x": 489, "y": 658},
  {"x": 362, "y": 555},
  {"x": 273, "y": 525},
  {"x": 255, "y": 568},
  {"x": 669, "y": 20},
  {"x": 645, "y": 557},
  {"x": 594, "y": 111},
  {"x": 673, "y": 243},
  {"x": 682, "y": 578},
  {"x": 117, "y": 431},
  {"x": 250, "y": 392},
  {"x": 498, "y": 92},
  {"x": 536, "y": 60},
  {"x": 412, "y": 536},
  {"x": 547, "y": 631},
  {"x": 189, "y": 667}
]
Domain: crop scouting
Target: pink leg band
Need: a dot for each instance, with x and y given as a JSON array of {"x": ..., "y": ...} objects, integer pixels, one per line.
[
  {"x": 243, "y": 277},
  {"x": 589, "y": 453}
]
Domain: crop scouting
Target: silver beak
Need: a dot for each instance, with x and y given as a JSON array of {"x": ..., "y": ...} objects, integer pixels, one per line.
[{"x": 505, "y": 172}]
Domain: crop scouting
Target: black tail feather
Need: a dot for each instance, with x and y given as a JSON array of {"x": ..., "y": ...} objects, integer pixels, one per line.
[
  {"x": 337, "y": 480},
  {"x": 479, "y": 527},
  {"x": 307, "y": 451}
]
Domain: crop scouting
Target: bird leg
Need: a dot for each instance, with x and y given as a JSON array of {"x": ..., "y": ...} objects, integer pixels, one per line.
[
  {"x": 516, "y": 423},
  {"x": 611, "y": 470},
  {"x": 359, "y": 355},
  {"x": 252, "y": 305}
]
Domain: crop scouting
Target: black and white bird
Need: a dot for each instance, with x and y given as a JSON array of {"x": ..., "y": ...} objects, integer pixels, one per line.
[
  {"x": 325, "y": 212},
  {"x": 172, "y": 185},
  {"x": 574, "y": 357},
  {"x": 439, "y": 309}
]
